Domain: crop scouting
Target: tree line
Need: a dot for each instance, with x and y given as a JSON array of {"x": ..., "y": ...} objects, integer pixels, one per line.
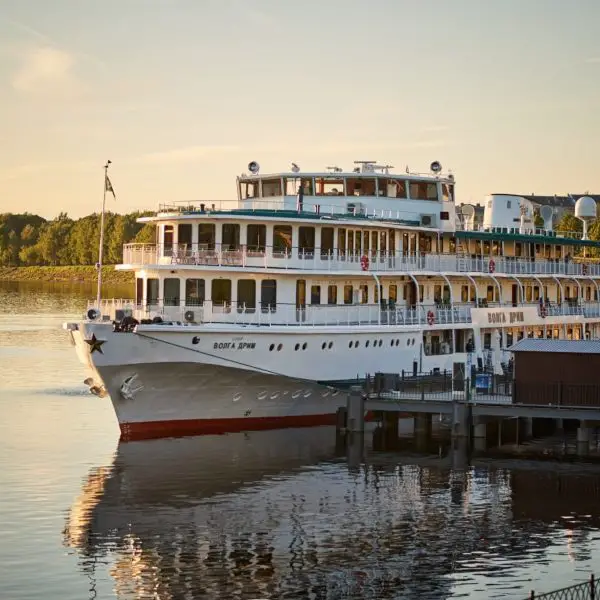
[{"x": 31, "y": 240}]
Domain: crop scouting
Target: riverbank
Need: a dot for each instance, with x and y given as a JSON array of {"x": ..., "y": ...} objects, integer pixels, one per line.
[{"x": 80, "y": 273}]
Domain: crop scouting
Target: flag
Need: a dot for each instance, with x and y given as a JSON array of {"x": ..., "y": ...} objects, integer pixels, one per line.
[{"x": 108, "y": 187}]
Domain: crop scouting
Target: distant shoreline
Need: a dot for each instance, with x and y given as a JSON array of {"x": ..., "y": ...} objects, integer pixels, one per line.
[{"x": 73, "y": 274}]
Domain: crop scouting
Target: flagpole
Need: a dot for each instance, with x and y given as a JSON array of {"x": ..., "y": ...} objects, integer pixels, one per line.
[{"x": 101, "y": 248}]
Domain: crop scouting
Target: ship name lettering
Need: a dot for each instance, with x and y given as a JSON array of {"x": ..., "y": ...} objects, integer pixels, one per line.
[
  {"x": 500, "y": 317},
  {"x": 234, "y": 346}
]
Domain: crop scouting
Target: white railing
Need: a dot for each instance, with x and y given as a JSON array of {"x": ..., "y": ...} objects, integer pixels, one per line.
[
  {"x": 337, "y": 260},
  {"x": 321, "y": 315}
]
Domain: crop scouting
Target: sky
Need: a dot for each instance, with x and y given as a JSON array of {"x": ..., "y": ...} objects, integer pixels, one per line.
[{"x": 181, "y": 94}]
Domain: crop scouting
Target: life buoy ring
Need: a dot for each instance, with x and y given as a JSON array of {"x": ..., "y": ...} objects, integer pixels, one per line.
[
  {"x": 584, "y": 269},
  {"x": 430, "y": 318},
  {"x": 492, "y": 265},
  {"x": 364, "y": 262}
]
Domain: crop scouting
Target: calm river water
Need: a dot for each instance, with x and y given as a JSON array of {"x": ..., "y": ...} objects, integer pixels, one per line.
[{"x": 281, "y": 514}]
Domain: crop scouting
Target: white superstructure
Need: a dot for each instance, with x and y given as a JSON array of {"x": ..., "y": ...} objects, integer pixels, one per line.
[{"x": 255, "y": 316}]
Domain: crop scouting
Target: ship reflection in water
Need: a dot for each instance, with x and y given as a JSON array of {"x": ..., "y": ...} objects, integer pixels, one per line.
[{"x": 283, "y": 514}]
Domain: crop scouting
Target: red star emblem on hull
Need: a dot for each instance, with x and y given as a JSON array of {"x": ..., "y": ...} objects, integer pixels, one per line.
[{"x": 95, "y": 344}]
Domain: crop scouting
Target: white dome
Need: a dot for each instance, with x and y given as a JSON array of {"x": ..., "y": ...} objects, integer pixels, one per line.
[{"x": 585, "y": 208}]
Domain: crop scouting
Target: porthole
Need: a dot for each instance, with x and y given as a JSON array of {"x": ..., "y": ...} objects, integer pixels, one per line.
[
  {"x": 350, "y": 344},
  {"x": 330, "y": 345},
  {"x": 397, "y": 342},
  {"x": 297, "y": 347},
  {"x": 279, "y": 347},
  {"x": 380, "y": 343},
  {"x": 367, "y": 344},
  {"x": 271, "y": 347},
  {"x": 408, "y": 342},
  {"x": 304, "y": 346},
  {"x": 392, "y": 342},
  {"x": 323, "y": 345},
  {"x": 356, "y": 344}
]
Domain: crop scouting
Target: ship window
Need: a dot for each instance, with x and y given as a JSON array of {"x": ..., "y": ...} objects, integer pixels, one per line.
[
  {"x": 271, "y": 187},
  {"x": 282, "y": 239},
  {"x": 184, "y": 235},
  {"x": 206, "y": 236},
  {"x": 364, "y": 293},
  {"x": 348, "y": 294},
  {"x": 421, "y": 190},
  {"x": 393, "y": 293},
  {"x": 332, "y": 294},
  {"x": 139, "y": 290},
  {"x": 315, "y": 294},
  {"x": 392, "y": 188},
  {"x": 341, "y": 242},
  {"x": 307, "y": 184},
  {"x": 221, "y": 291},
  {"x": 249, "y": 189},
  {"x": 257, "y": 236},
  {"x": 231, "y": 236},
  {"x": 329, "y": 186},
  {"x": 246, "y": 298},
  {"x": 168, "y": 240},
  {"x": 448, "y": 192},
  {"x": 194, "y": 292},
  {"x": 171, "y": 292},
  {"x": 306, "y": 239},
  {"x": 326, "y": 241},
  {"x": 151, "y": 290},
  {"x": 360, "y": 186},
  {"x": 268, "y": 295}
]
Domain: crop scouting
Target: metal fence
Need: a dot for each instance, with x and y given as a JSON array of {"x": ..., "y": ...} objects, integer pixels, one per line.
[{"x": 589, "y": 590}]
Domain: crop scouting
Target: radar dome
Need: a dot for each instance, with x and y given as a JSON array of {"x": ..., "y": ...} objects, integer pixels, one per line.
[{"x": 585, "y": 208}]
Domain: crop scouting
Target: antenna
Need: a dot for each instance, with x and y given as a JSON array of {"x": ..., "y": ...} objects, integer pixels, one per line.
[
  {"x": 546, "y": 212},
  {"x": 585, "y": 210},
  {"x": 295, "y": 168}
]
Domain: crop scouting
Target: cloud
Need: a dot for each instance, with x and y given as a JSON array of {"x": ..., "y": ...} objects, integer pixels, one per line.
[
  {"x": 45, "y": 69},
  {"x": 185, "y": 154},
  {"x": 593, "y": 60}
]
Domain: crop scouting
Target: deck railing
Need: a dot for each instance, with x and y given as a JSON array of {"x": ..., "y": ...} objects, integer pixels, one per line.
[
  {"x": 262, "y": 314},
  {"x": 311, "y": 259},
  {"x": 588, "y": 590}
]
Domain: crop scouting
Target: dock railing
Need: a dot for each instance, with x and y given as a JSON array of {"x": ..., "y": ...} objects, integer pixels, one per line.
[{"x": 588, "y": 590}]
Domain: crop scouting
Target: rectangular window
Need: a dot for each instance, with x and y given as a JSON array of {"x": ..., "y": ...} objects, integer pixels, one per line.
[
  {"x": 249, "y": 189},
  {"x": 392, "y": 188},
  {"x": 326, "y": 241},
  {"x": 448, "y": 193},
  {"x": 194, "y": 292},
  {"x": 282, "y": 240},
  {"x": 364, "y": 293},
  {"x": 348, "y": 294},
  {"x": 221, "y": 291},
  {"x": 329, "y": 186},
  {"x": 393, "y": 293},
  {"x": 171, "y": 291},
  {"x": 341, "y": 242},
  {"x": 246, "y": 295},
  {"x": 315, "y": 294},
  {"x": 168, "y": 240},
  {"x": 271, "y": 187},
  {"x": 268, "y": 295},
  {"x": 139, "y": 290},
  {"x": 332, "y": 294},
  {"x": 206, "y": 236},
  {"x": 256, "y": 238},
  {"x": 151, "y": 290},
  {"x": 184, "y": 234},
  {"x": 231, "y": 236},
  {"x": 360, "y": 186},
  {"x": 422, "y": 190},
  {"x": 306, "y": 240}
]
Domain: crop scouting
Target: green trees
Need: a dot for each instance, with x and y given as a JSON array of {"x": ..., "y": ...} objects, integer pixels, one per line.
[{"x": 30, "y": 240}]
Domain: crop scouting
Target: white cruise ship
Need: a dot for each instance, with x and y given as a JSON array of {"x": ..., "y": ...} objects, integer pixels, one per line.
[{"x": 255, "y": 316}]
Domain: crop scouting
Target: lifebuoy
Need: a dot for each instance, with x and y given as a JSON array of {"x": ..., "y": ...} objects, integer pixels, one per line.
[
  {"x": 492, "y": 265},
  {"x": 430, "y": 318},
  {"x": 364, "y": 262}
]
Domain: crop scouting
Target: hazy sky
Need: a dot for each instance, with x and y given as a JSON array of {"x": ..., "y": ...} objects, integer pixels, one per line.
[{"x": 182, "y": 94}]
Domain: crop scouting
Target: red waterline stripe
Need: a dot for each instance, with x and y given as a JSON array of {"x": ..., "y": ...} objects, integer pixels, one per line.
[{"x": 161, "y": 429}]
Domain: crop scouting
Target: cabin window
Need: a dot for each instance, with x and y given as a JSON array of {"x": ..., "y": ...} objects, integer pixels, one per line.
[
  {"x": 268, "y": 295},
  {"x": 588, "y": 293},
  {"x": 393, "y": 293},
  {"x": 249, "y": 189},
  {"x": 221, "y": 291},
  {"x": 382, "y": 242},
  {"x": 366, "y": 244},
  {"x": 350, "y": 240},
  {"x": 490, "y": 293},
  {"x": 206, "y": 236},
  {"x": 332, "y": 294},
  {"x": 171, "y": 292},
  {"x": 448, "y": 193},
  {"x": 168, "y": 240},
  {"x": 306, "y": 239},
  {"x": 421, "y": 293},
  {"x": 341, "y": 242},
  {"x": 360, "y": 186},
  {"x": 327, "y": 241},
  {"x": 231, "y": 236},
  {"x": 194, "y": 292},
  {"x": 464, "y": 293},
  {"x": 246, "y": 295},
  {"x": 139, "y": 290},
  {"x": 422, "y": 190},
  {"x": 392, "y": 242},
  {"x": 329, "y": 186},
  {"x": 184, "y": 235},
  {"x": 256, "y": 238},
  {"x": 151, "y": 290},
  {"x": 437, "y": 294},
  {"x": 536, "y": 293},
  {"x": 282, "y": 239},
  {"x": 315, "y": 294},
  {"x": 392, "y": 188},
  {"x": 364, "y": 293},
  {"x": 307, "y": 184},
  {"x": 348, "y": 294},
  {"x": 271, "y": 187}
]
